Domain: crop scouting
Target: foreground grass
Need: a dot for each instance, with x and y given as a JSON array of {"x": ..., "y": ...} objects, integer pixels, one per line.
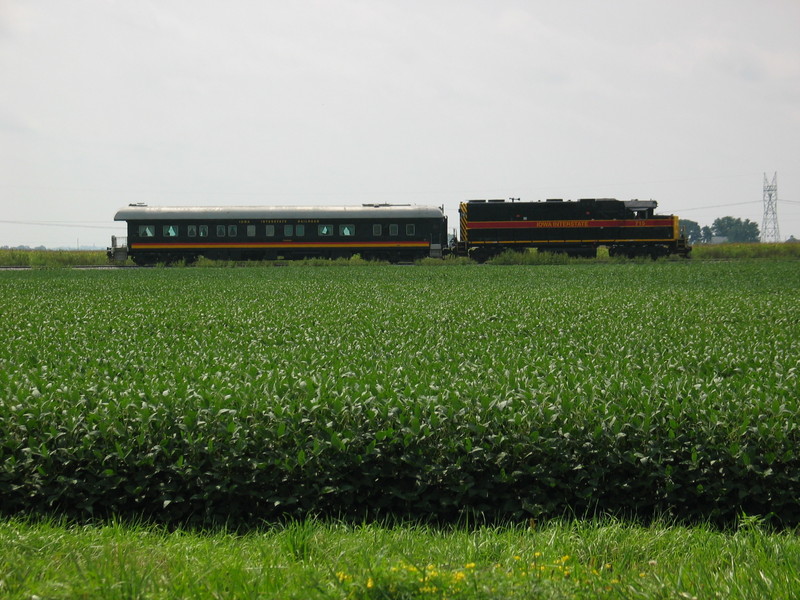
[{"x": 562, "y": 559}]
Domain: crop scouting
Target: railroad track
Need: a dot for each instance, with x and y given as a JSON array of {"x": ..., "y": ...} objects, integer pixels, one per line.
[{"x": 77, "y": 267}]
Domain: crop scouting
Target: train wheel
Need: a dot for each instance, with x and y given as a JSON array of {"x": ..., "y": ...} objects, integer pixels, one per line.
[
  {"x": 582, "y": 252},
  {"x": 657, "y": 252},
  {"x": 480, "y": 255},
  {"x": 144, "y": 261}
]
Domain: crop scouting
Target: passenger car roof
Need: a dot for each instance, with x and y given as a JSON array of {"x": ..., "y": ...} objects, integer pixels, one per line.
[{"x": 139, "y": 212}]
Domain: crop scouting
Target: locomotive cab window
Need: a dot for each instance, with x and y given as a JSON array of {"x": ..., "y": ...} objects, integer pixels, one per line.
[
  {"x": 170, "y": 231},
  {"x": 147, "y": 231},
  {"x": 325, "y": 230},
  {"x": 394, "y": 229},
  {"x": 347, "y": 230},
  {"x": 410, "y": 229}
]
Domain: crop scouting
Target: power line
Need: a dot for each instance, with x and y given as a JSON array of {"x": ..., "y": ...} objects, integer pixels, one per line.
[
  {"x": 70, "y": 224},
  {"x": 719, "y": 205}
]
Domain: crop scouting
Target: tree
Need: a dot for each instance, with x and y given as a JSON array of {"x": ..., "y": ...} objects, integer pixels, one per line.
[
  {"x": 736, "y": 230},
  {"x": 707, "y": 234},
  {"x": 691, "y": 229}
]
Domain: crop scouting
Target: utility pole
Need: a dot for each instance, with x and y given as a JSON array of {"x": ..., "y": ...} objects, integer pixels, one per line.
[{"x": 769, "y": 226}]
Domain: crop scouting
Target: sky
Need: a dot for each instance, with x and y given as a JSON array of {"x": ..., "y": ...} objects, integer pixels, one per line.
[{"x": 199, "y": 102}]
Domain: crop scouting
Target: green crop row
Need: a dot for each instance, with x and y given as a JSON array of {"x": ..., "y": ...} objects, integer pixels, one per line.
[{"x": 202, "y": 395}]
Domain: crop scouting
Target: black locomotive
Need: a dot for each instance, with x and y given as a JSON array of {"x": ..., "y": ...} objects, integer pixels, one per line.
[
  {"x": 395, "y": 233},
  {"x": 628, "y": 228}
]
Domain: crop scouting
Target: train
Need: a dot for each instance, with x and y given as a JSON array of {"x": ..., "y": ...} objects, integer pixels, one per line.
[
  {"x": 577, "y": 228},
  {"x": 394, "y": 232}
]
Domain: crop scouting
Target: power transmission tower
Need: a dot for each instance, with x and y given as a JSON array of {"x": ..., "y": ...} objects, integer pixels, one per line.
[{"x": 769, "y": 226}]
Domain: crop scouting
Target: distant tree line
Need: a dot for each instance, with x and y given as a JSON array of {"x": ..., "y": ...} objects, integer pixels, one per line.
[{"x": 732, "y": 229}]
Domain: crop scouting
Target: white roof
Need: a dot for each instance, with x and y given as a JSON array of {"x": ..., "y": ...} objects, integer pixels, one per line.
[{"x": 140, "y": 212}]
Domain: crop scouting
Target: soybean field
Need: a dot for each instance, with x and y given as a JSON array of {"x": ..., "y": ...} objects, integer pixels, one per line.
[{"x": 239, "y": 395}]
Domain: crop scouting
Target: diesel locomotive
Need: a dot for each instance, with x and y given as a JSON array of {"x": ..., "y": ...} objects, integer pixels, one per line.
[
  {"x": 628, "y": 228},
  {"x": 395, "y": 233}
]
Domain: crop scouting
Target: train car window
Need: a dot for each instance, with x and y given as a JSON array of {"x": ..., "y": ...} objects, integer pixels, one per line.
[
  {"x": 232, "y": 231},
  {"x": 203, "y": 230},
  {"x": 325, "y": 230},
  {"x": 377, "y": 230},
  {"x": 220, "y": 230},
  {"x": 147, "y": 231},
  {"x": 299, "y": 230},
  {"x": 288, "y": 230},
  {"x": 251, "y": 231},
  {"x": 191, "y": 230},
  {"x": 270, "y": 230},
  {"x": 394, "y": 229},
  {"x": 410, "y": 229},
  {"x": 347, "y": 230},
  {"x": 170, "y": 231}
]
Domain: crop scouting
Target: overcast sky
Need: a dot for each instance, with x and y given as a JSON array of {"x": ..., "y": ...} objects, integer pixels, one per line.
[{"x": 181, "y": 102}]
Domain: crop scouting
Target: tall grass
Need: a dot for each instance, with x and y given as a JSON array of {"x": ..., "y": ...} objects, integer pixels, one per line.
[
  {"x": 737, "y": 251},
  {"x": 533, "y": 257},
  {"x": 354, "y": 261},
  {"x": 71, "y": 258},
  {"x": 52, "y": 258},
  {"x": 699, "y": 252}
]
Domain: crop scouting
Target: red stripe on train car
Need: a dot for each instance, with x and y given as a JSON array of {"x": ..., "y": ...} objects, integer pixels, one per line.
[{"x": 558, "y": 224}]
